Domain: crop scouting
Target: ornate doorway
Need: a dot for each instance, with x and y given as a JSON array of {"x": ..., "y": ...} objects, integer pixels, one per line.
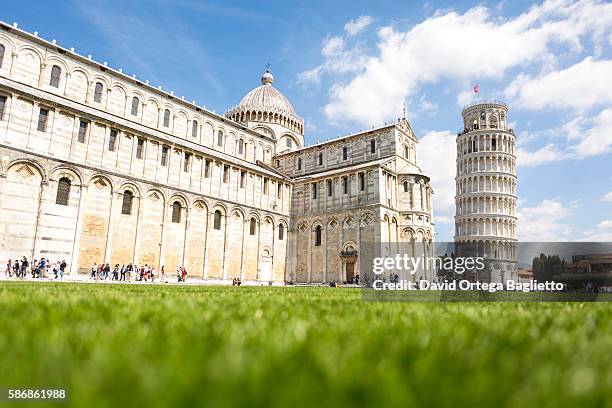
[
  {"x": 350, "y": 271},
  {"x": 349, "y": 260}
]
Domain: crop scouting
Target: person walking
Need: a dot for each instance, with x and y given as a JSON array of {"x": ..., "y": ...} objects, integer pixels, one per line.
[
  {"x": 17, "y": 268},
  {"x": 106, "y": 271},
  {"x": 41, "y": 268},
  {"x": 62, "y": 269},
  {"x": 9, "y": 267},
  {"x": 94, "y": 268},
  {"x": 184, "y": 274},
  {"x": 24, "y": 267}
]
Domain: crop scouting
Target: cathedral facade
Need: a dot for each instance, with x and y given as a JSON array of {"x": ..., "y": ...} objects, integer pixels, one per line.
[{"x": 99, "y": 167}]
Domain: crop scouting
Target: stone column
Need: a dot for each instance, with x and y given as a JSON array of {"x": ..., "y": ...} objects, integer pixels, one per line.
[
  {"x": 137, "y": 238},
  {"x": 225, "y": 251},
  {"x": 186, "y": 236},
  {"x": 41, "y": 74},
  {"x": 308, "y": 256},
  {"x": 41, "y": 195},
  {"x": 161, "y": 239},
  {"x": 109, "y": 233},
  {"x": 77, "y": 232},
  {"x": 324, "y": 243},
  {"x": 206, "y": 249},
  {"x": 244, "y": 232}
]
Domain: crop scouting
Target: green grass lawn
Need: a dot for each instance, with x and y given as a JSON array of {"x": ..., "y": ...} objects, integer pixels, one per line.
[{"x": 139, "y": 345}]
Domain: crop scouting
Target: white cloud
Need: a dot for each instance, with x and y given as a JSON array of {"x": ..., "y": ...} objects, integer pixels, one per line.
[
  {"x": 601, "y": 233},
  {"x": 607, "y": 197},
  {"x": 545, "y": 222},
  {"x": 436, "y": 157},
  {"x": 580, "y": 86},
  {"x": 443, "y": 219},
  {"x": 543, "y": 155},
  {"x": 332, "y": 46},
  {"x": 427, "y": 107},
  {"x": 450, "y": 45},
  {"x": 597, "y": 139},
  {"x": 337, "y": 59},
  {"x": 466, "y": 97},
  {"x": 357, "y": 25}
]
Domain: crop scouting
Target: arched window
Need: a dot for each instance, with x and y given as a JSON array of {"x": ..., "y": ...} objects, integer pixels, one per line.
[
  {"x": 167, "y": 118},
  {"x": 289, "y": 143},
  {"x": 406, "y": 152},
  {"x": 98, "y": 92},
  {"x": 281, "y": 232},
  {"x": 1, "y": 54},
  {"x": 241, "y": 147},
  {"x": 126, "y": 206},
  {"x": 176, "y": 212},
  {"x": 220, "y": 138},
  {"x": 194, "y": 129},
  {"x": 63, "y": 191},
  {"x": 253, "y": 226},
  {"x": 405, "y": 186},
  {"x": 56, "y": 72},
  {"x": 318, "y": 235},
  {"x": 135, "y": 102},
  {"x": 217, "y": 220}
]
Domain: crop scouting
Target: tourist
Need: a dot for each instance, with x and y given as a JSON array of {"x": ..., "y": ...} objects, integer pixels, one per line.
[
  {"x": 16, "y": 268},
  {"x": 179, "y": 274},
  {"x": 163, "y": 275},
  {"x": 357, "y": 279},
  {"x": 41, "y": 268},
  {"x": 94, "y": 268},
  {"x": 62, "y": 269},
  {"x": 24, "y": 267},
  {"x": 9, "y": 267},
  {"x": 116, "y": 273},
  {"x": 122, "y": 273},
  {"x": 184, "y": 274},
  {"x": 106, "y": 271}
]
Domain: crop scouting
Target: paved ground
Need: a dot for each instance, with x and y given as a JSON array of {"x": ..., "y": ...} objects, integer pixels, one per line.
[{"x": 190, "y": 281}]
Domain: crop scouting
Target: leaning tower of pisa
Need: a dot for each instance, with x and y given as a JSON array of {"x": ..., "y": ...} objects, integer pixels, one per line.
[{"x": 485, "y": 216}]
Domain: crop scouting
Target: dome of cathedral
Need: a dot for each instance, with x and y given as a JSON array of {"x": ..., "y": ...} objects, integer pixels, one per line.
[{"x": 266, "y": 103}]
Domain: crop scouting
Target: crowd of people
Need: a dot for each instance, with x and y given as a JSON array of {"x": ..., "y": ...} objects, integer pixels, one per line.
[
  {"x": 129, "y": 272},
  {"x": 21, "y": 268},
  {"x": 43, "y": 268}
]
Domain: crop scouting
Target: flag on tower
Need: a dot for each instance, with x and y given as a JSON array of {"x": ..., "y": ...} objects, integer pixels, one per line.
[{"x": 476, "y": 88}]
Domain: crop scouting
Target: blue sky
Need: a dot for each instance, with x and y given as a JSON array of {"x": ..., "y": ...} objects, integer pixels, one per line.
[{"x": 351, "y": 65}]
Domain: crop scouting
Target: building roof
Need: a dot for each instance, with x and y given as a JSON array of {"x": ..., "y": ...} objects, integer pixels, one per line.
[{"x": 266, "y": 98}]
